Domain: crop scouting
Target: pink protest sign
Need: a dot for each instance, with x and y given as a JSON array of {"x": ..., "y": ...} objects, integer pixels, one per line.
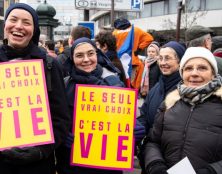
[
  {"x": 24, "y": 109},
  {"x": 104, "y": 119}
]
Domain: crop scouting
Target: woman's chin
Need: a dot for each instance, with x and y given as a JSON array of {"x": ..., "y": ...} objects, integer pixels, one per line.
[{"x": 194, "y": 85}]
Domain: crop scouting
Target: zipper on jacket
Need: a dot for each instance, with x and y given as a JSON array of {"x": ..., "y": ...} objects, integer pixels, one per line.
[{"x": 185, "y": 129}]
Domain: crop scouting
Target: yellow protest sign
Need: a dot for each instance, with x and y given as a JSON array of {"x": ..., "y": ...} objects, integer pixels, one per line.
[
  {"x": 24, "y": 110},
  {"x": 104, "y": 119}
]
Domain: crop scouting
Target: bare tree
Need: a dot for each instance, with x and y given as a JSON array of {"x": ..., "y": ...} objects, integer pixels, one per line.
[
  {"x": 189, "y": 17},
  {"x": 191, "y": 14}
]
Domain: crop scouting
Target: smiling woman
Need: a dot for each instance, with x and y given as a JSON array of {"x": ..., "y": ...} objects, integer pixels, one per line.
[
  {"x": 190, "y": 120},
  {"x": 196, "y": 62},
  {"x": 85, "y": 58},
  {"x": 197, "y": 72},
  {"x": 21, "y": 36},
  {"x": 23, "y": 22},
  {"x": 89, "y": 66},
  {"x": 19, "y": 28}
]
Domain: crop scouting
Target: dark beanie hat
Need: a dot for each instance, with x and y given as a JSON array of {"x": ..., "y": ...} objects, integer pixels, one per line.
[
  {"x": 178, "y": 47},
  {"x": 121, "y": 24},
  {"x": 79, "y": 41},
  {"x": 29, "y": 9}
]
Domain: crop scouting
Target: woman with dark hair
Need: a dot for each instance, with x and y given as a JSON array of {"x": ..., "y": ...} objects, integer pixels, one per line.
[{"x": 106, "y": 42}]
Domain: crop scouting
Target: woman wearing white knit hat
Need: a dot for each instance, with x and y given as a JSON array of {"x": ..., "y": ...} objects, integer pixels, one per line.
[
  {"x": 201, "y": 52},
  {"x": 190, "y": 121}
]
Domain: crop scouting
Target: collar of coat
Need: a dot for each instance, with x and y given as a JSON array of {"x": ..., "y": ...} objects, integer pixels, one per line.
[{"x": 174, "y": 96}]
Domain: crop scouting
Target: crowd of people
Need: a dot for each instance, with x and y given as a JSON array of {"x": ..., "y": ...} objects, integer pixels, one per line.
[{"x": 180, "y": 83}]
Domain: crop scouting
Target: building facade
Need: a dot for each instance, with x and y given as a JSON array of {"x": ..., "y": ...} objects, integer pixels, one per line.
[
  {"x": 157, "y": 15},
  {"x": 160, "y": 15}
]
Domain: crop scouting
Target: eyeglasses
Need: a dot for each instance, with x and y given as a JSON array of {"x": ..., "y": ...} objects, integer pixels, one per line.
[
  {"x": 209, "y": 39},
  {"x": 82, "y": 55},
  {"x": 200, "y": 68},
  {"x": 166, "y": 58}
]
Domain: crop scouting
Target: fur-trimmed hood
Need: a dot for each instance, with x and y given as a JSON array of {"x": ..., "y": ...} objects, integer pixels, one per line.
[{"x": 174, "y": 96}]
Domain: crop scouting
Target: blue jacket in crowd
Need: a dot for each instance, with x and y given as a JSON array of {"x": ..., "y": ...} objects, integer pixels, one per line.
[{"x": 155, "y": 97}]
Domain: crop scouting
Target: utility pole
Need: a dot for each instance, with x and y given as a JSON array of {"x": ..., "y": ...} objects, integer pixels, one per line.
[
  {"x": 112, "y": 14},
  {"x": 180, "y": 7}
]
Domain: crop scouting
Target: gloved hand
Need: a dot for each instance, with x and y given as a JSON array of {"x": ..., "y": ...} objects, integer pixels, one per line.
[
  {"x": 69, "y": 140},
  {"x": 207, "y": 170},
  {"x": 22, "y": 156},
  {"x": 107, "y": 73},
  {"x": 139, "y": 131},
  {"x": 157, "y": 168}
]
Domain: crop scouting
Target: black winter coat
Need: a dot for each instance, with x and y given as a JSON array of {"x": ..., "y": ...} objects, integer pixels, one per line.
[
  {"x": 185, "y": 130},
  {"x": 58, "y": 108},
  {"x": 63, "y": 60},
  {"x": 154, "y": 75},
  {"x": 63, "y": 154},
  {"x": 155, "y": 97}
]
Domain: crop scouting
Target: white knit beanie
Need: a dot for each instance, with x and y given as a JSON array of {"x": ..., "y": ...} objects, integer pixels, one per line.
[{"x": 193, "y": 52}]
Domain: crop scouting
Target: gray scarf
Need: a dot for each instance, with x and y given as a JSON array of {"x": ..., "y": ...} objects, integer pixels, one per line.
[{"x": 198, "y": 95}]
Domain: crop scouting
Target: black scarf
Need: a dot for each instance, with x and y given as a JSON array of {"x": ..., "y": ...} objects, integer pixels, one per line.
[
  {"x": 169, "y": 82},
  {"x": 83, "y": 77},
  {"x": 30, "y": 52}
]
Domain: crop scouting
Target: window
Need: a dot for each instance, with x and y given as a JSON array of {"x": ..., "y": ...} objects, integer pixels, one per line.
[
  {"x": 173, "y": 6},
  {"x": 132, "y": 15},
  {"x": 146, "y": 11},
  {"x": 158, "y": 8},
  {"x": 121, "y": 14},
  {"x": 101, "y": 22},
  {"x": 106, "y": 20},
  {"x": 193, "y": 5},
  {"x": 213, "y": 4}
]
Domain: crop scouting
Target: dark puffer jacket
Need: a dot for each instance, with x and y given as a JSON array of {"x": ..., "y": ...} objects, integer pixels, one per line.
[{"x": 185, "y": 130}]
